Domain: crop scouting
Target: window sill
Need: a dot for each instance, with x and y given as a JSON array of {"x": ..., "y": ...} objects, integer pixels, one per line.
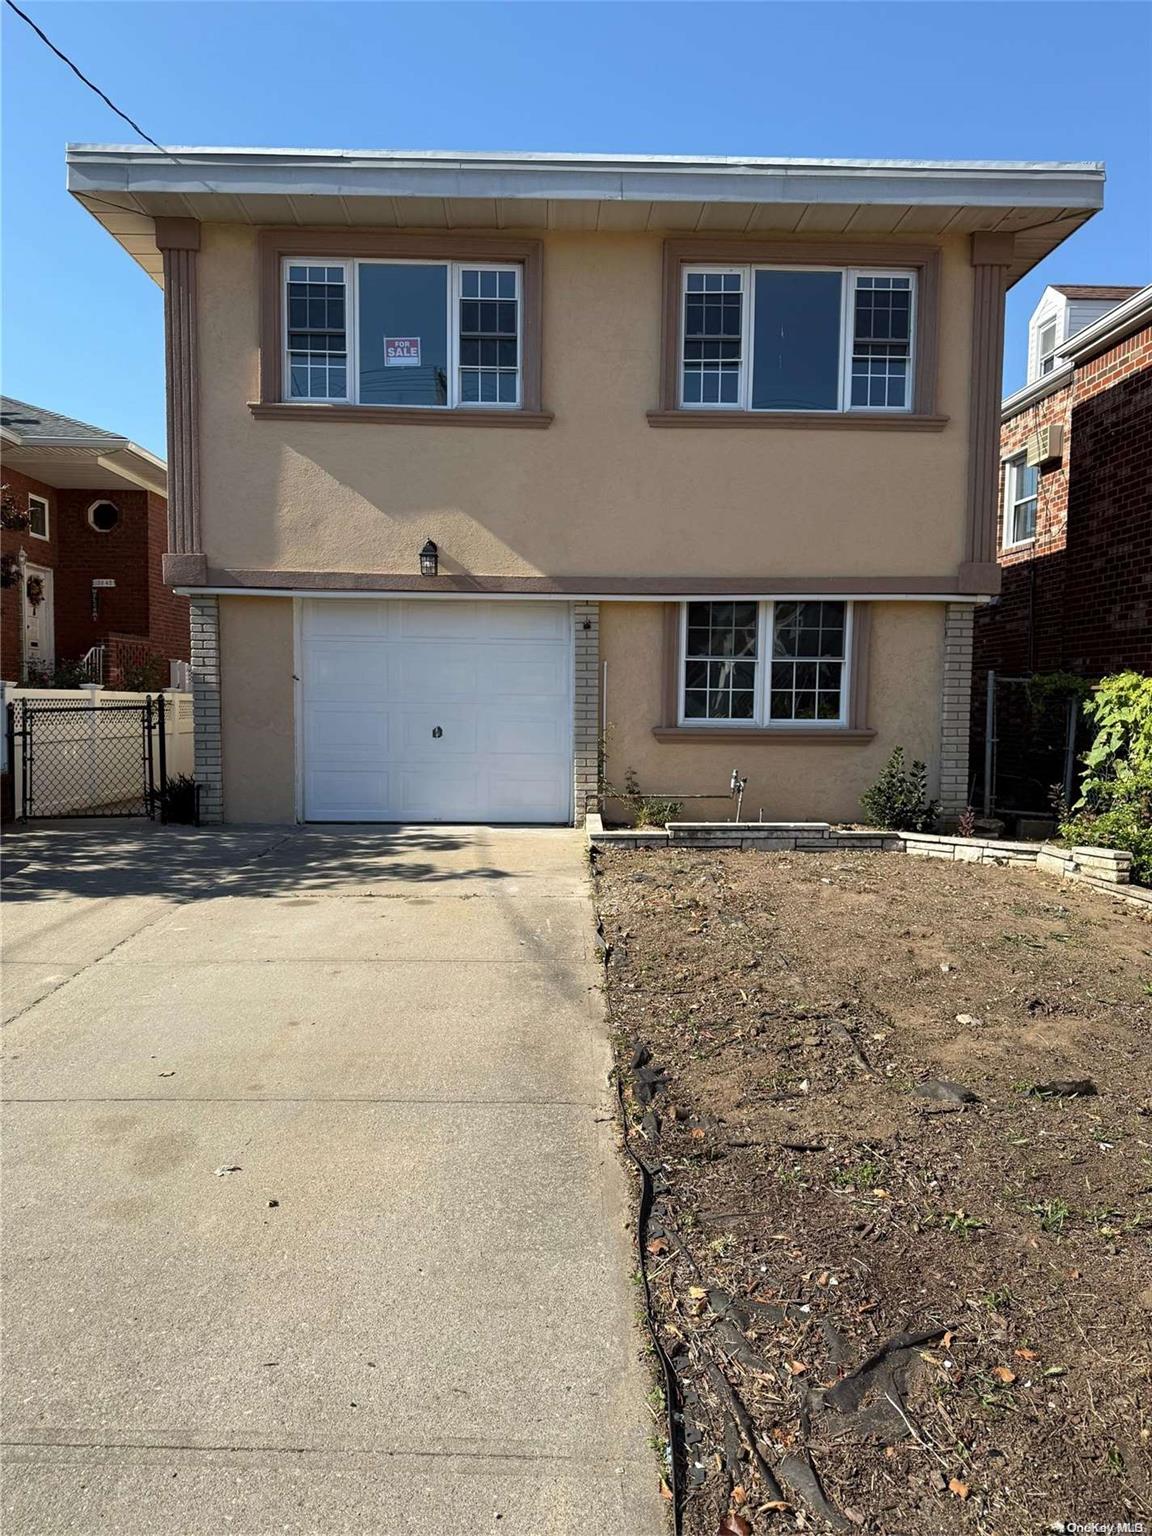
[
  {"x": 1019, "y": 547},
  {"x": 837, "y": 421},
  {"x": 399, "y": 415},
  {"x": 760, "y": 733}
]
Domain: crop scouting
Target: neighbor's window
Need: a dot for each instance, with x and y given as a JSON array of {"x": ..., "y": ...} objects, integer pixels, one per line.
[
  {"x": 426, "y": 334},
  {"x": 1021, "y": 492},
  {"x": 767, "y": 338},
  {"x": 38, "y": 516},
  {"x": 1046, "y": 347},
  {"x": 724, "y": 676}
]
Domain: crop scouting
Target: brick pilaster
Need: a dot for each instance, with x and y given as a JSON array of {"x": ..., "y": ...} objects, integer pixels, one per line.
[
  {"x": 205, "y": 623},
  {"x": 586, "y": 725},
  {"x": 955, "y": 707}
]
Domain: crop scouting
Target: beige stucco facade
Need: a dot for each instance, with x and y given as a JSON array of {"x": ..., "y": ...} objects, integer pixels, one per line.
[
  {"x": 599, "y": 491},
  {"x": 787, "y": 779},
  {"x": 257, "y": 710}
]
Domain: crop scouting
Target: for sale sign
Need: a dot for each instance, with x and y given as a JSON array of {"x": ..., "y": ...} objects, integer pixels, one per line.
[{"x": 402, "y": 351}]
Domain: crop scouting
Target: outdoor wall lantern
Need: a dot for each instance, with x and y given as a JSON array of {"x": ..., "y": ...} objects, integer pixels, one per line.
[{"x": 429, "y": 559}]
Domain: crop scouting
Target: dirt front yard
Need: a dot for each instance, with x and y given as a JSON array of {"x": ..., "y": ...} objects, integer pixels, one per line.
[{"x": 898, "y": 1116}]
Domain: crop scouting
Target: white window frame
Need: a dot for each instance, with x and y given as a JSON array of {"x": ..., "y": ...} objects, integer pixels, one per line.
[
  {"x": 765, "y": 628},
  {"x": 847, "y": 336},
  {"x": 1043, "y": 357},
  {"x": 43, "y": 502},
  {"x": 352, "y": 267},
  {"x": 1012, "y": 467}
]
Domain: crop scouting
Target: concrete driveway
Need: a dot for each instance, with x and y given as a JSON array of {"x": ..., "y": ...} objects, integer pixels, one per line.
[{"x": 407, "y": 1308}]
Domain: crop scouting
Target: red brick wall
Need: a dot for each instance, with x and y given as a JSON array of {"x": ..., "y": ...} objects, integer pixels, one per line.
[
  {"x": 39, "y": 552},
  {"x": 1078, "y": 598},
  {"x": 130, "y": 554}
]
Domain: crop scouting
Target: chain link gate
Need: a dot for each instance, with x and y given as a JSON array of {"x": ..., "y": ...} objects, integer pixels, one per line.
[{"x": 90, "y": 759}]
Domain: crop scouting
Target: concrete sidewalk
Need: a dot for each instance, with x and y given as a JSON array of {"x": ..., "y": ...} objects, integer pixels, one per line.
[{"x": 408, "y": 1309}]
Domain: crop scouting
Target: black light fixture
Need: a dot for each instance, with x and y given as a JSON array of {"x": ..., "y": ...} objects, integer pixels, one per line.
[{"x": 429, "y": 559}]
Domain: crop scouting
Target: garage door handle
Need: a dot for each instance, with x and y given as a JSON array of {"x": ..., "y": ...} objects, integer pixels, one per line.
[{"x": 437, "y": 731}]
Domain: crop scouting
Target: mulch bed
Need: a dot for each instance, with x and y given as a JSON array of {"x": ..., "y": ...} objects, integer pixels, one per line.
[{"x": 905, "y": 1287}]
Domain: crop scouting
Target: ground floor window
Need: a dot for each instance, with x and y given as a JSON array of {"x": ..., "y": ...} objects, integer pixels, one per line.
[{"x": 771, "y": 663}]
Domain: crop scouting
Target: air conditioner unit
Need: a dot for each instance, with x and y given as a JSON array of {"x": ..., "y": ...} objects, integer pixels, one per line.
[{"x": 1044, "y": 444}]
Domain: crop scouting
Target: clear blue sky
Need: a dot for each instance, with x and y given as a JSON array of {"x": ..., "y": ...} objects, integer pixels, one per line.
[{"x": 1030, "y": 81}]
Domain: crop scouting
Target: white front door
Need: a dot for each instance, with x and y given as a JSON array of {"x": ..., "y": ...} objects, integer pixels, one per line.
[
  {"x": 434, "y": 710},
  {"x": 39, "y": 622}
]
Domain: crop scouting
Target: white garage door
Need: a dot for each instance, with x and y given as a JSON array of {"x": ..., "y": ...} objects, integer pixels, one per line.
[{"x": 437, "y": 711}]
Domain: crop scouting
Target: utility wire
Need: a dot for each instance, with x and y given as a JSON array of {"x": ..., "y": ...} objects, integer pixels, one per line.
[{"x": 80, "y": 75}]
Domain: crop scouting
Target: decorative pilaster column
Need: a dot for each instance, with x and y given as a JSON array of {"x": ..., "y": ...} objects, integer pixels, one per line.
[
  {"x": 991, "y": 255},
  {"x": 586, "y": 724},
  {"x": 179, "y": 242}
]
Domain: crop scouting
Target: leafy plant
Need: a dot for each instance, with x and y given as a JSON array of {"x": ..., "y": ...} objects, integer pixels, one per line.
[
  {"x": 13, "y": 518},
  {"x": 64, "y": 674},
  {"x": 966, "y": 822},
  {"x": 180, "y": 799},
  {"x": 1115, "y": 805},
  {"x": 146, "y": 676},
  {"x": 647, "y": 810},
  {"x": 899, "y": 797}
]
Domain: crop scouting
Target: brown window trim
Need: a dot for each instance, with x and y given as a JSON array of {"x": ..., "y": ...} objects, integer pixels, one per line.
[
  {"x": 855, "y": 729},
  {"x": 842, "y": 421},
  {"x": 399, "y": 415},
  {"x": 277, "y": 244},
  {"x": 759, "y": 733},
  {"x": 923, "y": 259}
]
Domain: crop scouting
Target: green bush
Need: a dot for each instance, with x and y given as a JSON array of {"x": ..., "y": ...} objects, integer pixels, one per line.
[
  {"x": 1115, "y": 805},
  {"x": 179, "y": 801},
  {"x": 899, "y": 798}
]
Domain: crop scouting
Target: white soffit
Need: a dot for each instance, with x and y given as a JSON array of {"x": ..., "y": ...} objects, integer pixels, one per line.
[{"x": 126, "y": 186}]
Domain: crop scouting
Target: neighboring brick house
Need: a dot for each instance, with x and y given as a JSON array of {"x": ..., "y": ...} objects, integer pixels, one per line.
[
  {"x": 482, "y": 462},
  {"x": 84, "y": 579},
  {"x": 1075, "y": 523}
]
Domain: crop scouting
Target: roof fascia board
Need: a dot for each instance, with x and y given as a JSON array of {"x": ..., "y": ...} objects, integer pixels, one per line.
[
  {"x": 252, "y": 173},
  {"x": 1038, "y": 390}
]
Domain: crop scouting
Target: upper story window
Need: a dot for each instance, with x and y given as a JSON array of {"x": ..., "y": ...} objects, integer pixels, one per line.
[
  {"x": 38, "y": 516},
  {"x": 1021, "y": 495},
  {"x": 764, "y": 338},
  {"x": 431, "y": 334},
  {"x": 764, "y": 664},
  {"x": 1046, "y": 341}
]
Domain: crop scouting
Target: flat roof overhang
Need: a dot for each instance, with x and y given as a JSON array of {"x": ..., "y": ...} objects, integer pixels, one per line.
[{"x": 126, "y": 187}]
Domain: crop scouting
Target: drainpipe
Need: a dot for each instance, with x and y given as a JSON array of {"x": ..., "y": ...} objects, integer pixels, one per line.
[{"x": 22, "y": 563}]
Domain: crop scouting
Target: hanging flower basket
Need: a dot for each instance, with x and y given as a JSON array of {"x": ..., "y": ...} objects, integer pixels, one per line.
[{"x": 34, "y": 591}]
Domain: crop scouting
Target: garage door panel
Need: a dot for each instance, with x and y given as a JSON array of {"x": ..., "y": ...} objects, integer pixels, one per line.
[
  {"x": 343, "y": 794},
  {"x": 346, "y": 620},
  {"x": 379, "y": 676},
  {"x": 506, "y": 732},
  {"x": 355, "y": 737}
]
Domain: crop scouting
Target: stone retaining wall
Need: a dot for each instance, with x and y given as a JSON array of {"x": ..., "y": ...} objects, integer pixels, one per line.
[{"x": 1106, "y": 869}]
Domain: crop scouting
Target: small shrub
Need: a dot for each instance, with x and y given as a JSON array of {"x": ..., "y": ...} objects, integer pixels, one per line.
[
  {"x": 179, "y": 800},
  {"x": 899, "y": 797},
  {"x": 966, "y": 822},
  {"x": 147, "y": 676},
  {"x": 647, "y": 810},
  {"x": 64, "y": 674}
]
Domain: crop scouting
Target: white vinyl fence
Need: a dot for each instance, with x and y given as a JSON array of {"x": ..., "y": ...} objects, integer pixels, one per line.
[{"x": 92, "y": 755}]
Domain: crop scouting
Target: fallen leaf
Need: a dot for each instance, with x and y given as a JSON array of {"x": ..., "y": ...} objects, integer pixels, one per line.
[
  {"x": 958, "y": 1488},
  {"x": 853, "y": 1514},
  {"x": 1056, "y": 1370},
  {"x": 882, "y": 1194},
  {"x": 739, "y": 1494},
  {"x": 776, "y": 1504},
  {"x": 665, "y": 1491},
  {"x": 657, "y": 1246},
  {"x": 697, "y": 1133},
  {"x": 1003, "y": 1373},
  {"x": 946, "y": 1341},
  {"x": 1026, "y": 1354},
  {"x": 697, "y": 1292},
  {"x": 797, "y": 1367},
  {"x": 734, "y": 1524},
  {"x": 823, "y": 1278}
]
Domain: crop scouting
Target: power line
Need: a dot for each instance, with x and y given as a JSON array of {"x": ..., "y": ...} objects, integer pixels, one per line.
[{"x": 80, "y": 75}]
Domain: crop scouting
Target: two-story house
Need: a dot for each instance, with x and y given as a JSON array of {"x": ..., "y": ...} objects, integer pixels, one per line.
[
  {"x": 478, "y": 461},
  {"x": 81, "y": 567}
]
